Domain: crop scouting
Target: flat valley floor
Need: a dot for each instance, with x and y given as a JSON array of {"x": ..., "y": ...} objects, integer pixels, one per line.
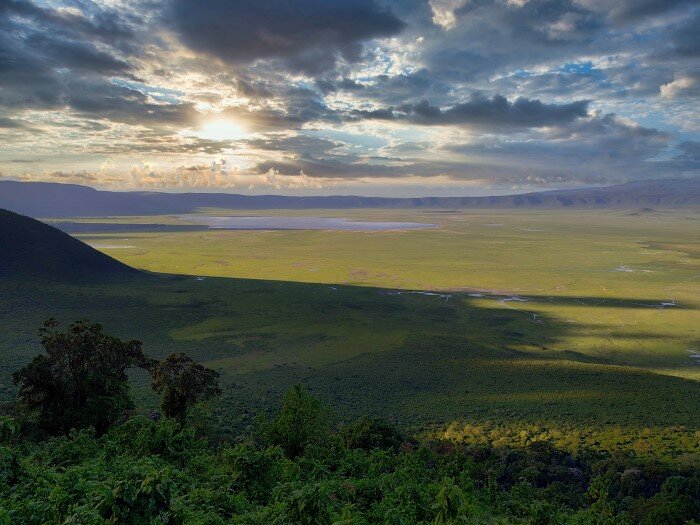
[{"x": 583, "y": 326}]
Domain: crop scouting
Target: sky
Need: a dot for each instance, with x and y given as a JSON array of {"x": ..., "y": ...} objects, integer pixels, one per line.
[{"x": 370, "y": 97}]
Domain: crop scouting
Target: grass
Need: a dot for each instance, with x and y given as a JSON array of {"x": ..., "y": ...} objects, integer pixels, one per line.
[
  {"x": 606, "y": 274},
  {"x": 589, "y": 358}
]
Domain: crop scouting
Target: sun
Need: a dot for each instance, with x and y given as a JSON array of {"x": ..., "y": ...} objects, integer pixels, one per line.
[{"x": 221, "y": 129}]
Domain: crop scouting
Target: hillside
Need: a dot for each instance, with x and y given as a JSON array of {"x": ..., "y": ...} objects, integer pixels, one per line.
[
  {"x": 32, "y": 248},
  {"x": 38, "y": 199}
]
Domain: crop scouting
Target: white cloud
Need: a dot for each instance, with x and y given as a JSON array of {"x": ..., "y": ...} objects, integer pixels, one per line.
[
  {"x": 683, "y": 85},
  {"x": 444, "y": 12}
]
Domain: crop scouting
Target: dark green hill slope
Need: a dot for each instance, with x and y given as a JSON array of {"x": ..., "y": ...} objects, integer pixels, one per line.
[{"x": 31, "y": 248}]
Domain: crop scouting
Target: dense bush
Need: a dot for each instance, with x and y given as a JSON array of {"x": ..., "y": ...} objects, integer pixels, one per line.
[
  {"x": 368, "y": 433},
  {"x": 301, "y": 469}
]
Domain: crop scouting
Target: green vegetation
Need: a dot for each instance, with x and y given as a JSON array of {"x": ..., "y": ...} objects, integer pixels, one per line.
[
  {"x": 182, "y": 384},
  {"x": 414, "y": 360},
  {"x": 601, "y": 366},
  {"x": 605, "y": 274},
  {"x": 301, "y": 467},
  {"x": 147, "y": 472},
  {"x": 303, "y": 423},
  {"x": 80, "y": 381}
]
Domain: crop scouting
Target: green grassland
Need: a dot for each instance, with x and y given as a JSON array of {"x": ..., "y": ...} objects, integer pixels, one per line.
[
  {"x": 604, "y": 273},
  {"x": 590, "y": 356}
]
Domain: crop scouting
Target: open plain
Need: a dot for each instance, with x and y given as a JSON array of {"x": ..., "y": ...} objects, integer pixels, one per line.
[{"x": 494, "y": 324}]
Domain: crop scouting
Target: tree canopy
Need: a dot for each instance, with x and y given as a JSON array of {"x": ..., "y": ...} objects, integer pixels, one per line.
[
  {"x": 303, "y": 421},
  {"x": 80, "y": 380},
  {"x": 183, "y": 382}
]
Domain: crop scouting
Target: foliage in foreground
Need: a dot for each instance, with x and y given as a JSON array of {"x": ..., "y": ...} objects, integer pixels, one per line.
[
  {"x": 80, "y": 381},
  {"x": 300, "y": 469},
  {"x": 183, "y": 383}
]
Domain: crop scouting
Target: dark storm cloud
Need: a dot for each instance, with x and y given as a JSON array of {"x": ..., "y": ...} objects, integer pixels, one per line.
[
  {"x": 633, "y": 10},
  {"x": 121, "y": 104},
  {"x": 490, "y": 39},
  {"x": 41, "y": 48},
  {"x": 685, "y": 39},
  {"x": 410, "y": 88},
  {"x": 53, "y": 59},
  {"x": 480, "y": 111},
  {"x": 599, "y": 147},
  {"x": 251, "y": 89},
  {"x": 36, "y": 42},
  {"x": 331, "y": 86},
  {"x": 599, "y": 135},
  {"x": 77, "y": 56},
  {"x": 492, "y": 36},
  {"x": 308, "y": 35},
  {"x": 92, "y": 22}
]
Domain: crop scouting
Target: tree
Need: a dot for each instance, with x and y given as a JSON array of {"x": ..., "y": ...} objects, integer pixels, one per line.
[
  {"x": 369, "y": 433},
  {"x": 183, "y": 382},
  {"x": 80, "y": 381},
  {"x": 302, "y": 421}
]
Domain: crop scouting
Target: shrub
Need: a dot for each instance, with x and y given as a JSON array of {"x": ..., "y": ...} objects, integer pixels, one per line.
[
  {"x": 303, "y": 421},
  {"x": 370, "y": 433}
]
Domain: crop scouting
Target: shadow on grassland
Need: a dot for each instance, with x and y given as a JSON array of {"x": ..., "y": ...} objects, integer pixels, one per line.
[
  {"x": 413, "y": 359},
  {"x": 602, "y": 301}
]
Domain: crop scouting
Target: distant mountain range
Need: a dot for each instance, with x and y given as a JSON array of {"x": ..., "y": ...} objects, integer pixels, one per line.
[
  {"x": 32, "y": 248},
  {"x": 38, "y": 199}
]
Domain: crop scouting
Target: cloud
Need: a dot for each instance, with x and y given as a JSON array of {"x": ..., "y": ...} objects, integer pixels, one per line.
[
  {"x": 122, "y": 104},
  {"x": 685, "y": 39},
  {"x": 595, "y": 149},
  {"x": 684, "y": 85},
  {"x": 16, "y": 124},
  {"x": 444, "y": 12},
  {"x": 371, "y": 90},
  {"x": 45, "y": 52},
  {"x": 313, "y": 146},
  {"x": 63, "y": 177},
  {"x": 301, "y": 105},
  {"x": 305, "y": 35},
  {"x": 631, "y": 10},
  {"x": 273, "y": 179},
  {"x": 213, "y": 176},
  {"x": 690, "y": 152},
  {"x": 480, "y": 111}
]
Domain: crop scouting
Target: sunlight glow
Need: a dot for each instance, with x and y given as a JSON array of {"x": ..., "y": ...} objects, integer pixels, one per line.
[{"x": 221, "y": 129}]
